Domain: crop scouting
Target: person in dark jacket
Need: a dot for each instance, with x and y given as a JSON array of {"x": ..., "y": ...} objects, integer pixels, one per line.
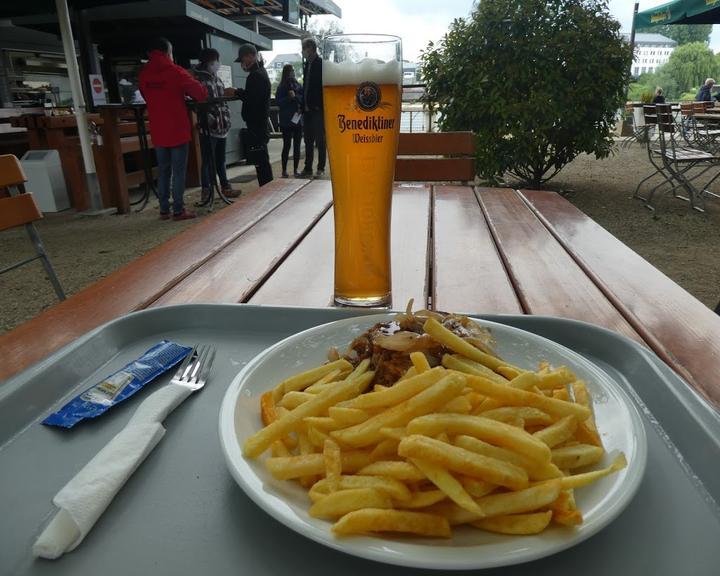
[
  {"x": 213, "y": 145},
  {"x": 256, "y": 111},
  {"x": 705, "y": 92},
  {"x": 313, "y": 122},
  {"x": 659, "y": 98},
  {"x": 289, "y": 97},
  {"x": 164, "y": 86}
]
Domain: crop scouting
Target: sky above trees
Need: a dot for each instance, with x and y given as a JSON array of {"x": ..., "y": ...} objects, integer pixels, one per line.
[{"x": 419, "y": 21}]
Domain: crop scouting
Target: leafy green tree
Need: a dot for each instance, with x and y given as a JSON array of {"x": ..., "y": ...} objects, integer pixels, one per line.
[
  {"x": 682, "y": 33},
  {"x": 663, "y": 79},
  {"x": 649, "y": 82},
  {"x": 538, "y": 81},
  {"x": 689, "y": 65}
]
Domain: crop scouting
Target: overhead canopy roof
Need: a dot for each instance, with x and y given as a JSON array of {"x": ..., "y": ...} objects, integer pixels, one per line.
[
  {"x": 269, "y": 27},
  {"x": 148, "y": 18},
  {"x": 257, "y": 22},
  {"x": 10, "y": 8},
  {"x": 236, "y": 8},
  {"x": 680, "y": 12}
]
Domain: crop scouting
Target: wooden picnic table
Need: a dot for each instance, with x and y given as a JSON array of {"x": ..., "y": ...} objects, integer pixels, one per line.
[{"x": 454, "y": 248}]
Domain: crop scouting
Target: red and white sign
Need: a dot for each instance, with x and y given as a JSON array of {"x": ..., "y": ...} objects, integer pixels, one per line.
[{"x": 98, "y": 89}]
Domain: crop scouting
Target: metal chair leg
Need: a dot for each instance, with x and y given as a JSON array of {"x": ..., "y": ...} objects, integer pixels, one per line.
[{"x": 40, "y": 249}]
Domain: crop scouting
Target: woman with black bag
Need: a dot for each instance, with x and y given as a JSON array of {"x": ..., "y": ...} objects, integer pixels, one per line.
[
  {"x": 256, "y": 112},
  {"x": 289, "y": 96}
]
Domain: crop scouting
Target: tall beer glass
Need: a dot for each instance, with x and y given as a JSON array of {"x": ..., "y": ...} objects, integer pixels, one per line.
[{"x": 362, "y": 77}]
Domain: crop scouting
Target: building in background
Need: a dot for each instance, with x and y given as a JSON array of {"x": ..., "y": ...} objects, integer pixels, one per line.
[
  {"x": 275, "y": 66},
  {"x": 111, "y": 38},
  {"x": 410, "y": 73},
  {"x": 651, "y": 52}
]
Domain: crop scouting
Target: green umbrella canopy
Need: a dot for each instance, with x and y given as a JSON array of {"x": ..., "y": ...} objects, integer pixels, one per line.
[{"x": 680, "y": 12}]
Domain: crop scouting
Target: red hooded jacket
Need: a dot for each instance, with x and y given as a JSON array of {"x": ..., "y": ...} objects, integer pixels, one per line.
[{"x": 164, "y": 86}]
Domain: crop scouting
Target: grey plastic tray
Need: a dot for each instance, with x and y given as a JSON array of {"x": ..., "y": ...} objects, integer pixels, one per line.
[{"x": 182, "y": 513}]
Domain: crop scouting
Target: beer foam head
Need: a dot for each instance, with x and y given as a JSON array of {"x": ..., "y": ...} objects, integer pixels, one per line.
[{"x": 346, "y": 73}]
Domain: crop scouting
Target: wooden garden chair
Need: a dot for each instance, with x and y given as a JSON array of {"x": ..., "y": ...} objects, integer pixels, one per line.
[{"x": 20, "y": 209}]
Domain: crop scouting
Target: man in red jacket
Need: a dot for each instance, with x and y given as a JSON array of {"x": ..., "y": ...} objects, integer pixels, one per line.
[{"x": 164, "y": 86}]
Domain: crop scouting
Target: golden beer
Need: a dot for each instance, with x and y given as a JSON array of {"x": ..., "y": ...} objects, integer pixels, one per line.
[{"x": 362, "y": 122}]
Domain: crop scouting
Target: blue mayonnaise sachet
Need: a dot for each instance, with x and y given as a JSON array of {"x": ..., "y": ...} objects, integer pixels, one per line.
[{"x": 121, "y": 385}]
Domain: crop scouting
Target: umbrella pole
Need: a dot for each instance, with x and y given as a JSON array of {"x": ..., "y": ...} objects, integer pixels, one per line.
[
  {"x": 632, "y": 45},
  {"x": 79, "y": 104}
]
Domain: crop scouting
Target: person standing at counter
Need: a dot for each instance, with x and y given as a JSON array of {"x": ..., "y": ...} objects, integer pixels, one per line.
[
  {"x": 164, "y": 86},
  {"x": 218, "y": 123},
  {"x": 313, "y": 121},
  {"x": 255, "y": 112}
]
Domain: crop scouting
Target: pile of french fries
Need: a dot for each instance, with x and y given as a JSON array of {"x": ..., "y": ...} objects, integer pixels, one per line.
[{"x": 475, "y": 441}]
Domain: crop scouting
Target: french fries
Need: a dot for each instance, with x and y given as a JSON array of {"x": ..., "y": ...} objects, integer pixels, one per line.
[
  {"x": 474, "y": 441},
  {"x": 379, "y": 520}
]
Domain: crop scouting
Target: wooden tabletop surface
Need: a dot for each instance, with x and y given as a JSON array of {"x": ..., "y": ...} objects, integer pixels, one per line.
[
  {"x": 715, "y": 116},
  {"x": 454, "y": 248}
]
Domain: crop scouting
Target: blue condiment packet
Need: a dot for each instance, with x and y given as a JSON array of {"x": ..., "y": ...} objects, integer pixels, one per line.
[{"x": 119, "y": 386}]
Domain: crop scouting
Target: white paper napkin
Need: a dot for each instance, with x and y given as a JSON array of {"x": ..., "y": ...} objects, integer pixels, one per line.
[{"x": 84, "y": 498}]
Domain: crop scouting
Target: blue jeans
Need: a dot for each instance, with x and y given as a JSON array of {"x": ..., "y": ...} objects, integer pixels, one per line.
[
  {"x": 218, "y": 149},
  {"x": 172, "y": 162}
]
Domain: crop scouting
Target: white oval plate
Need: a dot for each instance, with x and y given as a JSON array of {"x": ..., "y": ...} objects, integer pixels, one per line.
[{"x": 618, "y": 421}]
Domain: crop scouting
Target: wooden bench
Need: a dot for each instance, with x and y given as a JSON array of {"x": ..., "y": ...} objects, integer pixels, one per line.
[{"x": 436, "y": 157}]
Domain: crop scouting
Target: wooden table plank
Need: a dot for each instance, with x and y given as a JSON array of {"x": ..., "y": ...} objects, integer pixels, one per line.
[
  {"x": 305, "y": 278},
  {"x": 234, "y": 273},
  {"x": 410, "y": 245},
  {"x": 546, "y": 278},
  {"x": 141, "y": 282},
  {"x": 677, "y": 326},
  {"x": 468, "y": 273}
]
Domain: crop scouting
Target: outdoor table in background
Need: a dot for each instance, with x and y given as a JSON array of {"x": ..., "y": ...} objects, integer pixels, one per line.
[{"x": 116, "y": 147}]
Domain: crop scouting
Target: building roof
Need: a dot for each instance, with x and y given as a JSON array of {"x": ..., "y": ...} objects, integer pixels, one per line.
[
  {"x": 286, "y": 58},
  {"x": 644, "y": 38}
]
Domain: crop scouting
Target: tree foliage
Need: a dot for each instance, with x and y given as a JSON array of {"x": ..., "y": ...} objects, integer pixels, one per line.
[
  {"x": 538, "y": 81},
  {"x": 686, "y": 70},
  {"x": 682, "y": 33},
  {"x": 690, "y": 65}
]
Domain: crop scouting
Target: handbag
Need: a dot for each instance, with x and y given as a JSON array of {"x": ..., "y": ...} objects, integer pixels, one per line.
[{"x": 255, "y": 150}]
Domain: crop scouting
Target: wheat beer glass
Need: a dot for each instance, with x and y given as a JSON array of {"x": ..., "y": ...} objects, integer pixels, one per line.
[{"x": 362, "y": 77}]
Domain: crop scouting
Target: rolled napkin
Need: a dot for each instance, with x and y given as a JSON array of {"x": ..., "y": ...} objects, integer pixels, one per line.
[{"x": 84, "y": 498}]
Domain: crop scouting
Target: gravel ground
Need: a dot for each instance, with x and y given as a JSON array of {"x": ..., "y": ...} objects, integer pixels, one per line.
[{"x": 680, "y": 242}]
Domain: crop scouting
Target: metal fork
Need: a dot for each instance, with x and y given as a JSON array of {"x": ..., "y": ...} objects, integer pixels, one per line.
[
  {"x": 194, "y": 370},
  {"x": 190, "y": 377}
]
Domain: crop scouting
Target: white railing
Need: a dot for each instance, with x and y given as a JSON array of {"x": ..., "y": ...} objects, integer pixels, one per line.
[{"x": 416, "y": 115}]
